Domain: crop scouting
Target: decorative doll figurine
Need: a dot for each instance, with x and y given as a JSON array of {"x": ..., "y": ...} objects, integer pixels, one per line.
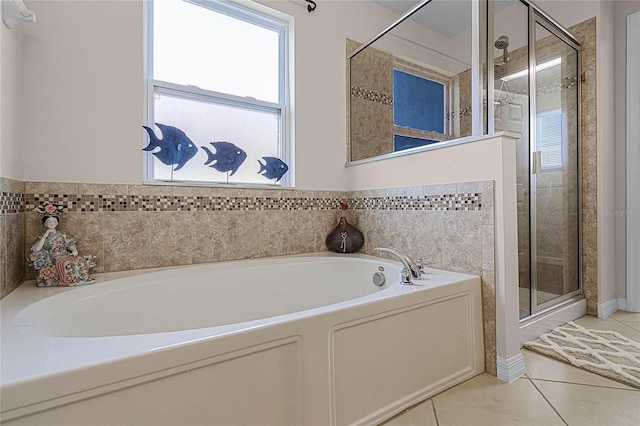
[
  {"x": 344, "y": 238},
  {"x": 54, "y": 255}
]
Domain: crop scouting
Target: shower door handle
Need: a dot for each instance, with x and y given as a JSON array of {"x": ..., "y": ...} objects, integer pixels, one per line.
[{"x": 537, "y": 162}]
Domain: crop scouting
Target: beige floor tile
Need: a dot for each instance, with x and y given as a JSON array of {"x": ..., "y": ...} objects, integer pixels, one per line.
[
  {"x": 545, "y": 368},
  {"x": 626, "y": 316},
  {"x": 596, "y": 323},
  {"x": 592, "y": 405},
  {"x": 420, "y": 415},
  {"x": 634, "y": 325},
  {"x": 485, "y": 400}
]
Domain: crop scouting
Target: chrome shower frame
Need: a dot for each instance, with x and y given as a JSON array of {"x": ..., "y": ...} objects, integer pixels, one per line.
[{"x": 537, "y": 15}]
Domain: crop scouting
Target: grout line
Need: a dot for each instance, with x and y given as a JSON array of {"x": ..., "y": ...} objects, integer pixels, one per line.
[
  {"x": 548, "y": 402},
  {"x": 636, "y": 326},
  {"x": 435, "y": 413},
  {"x": 433, "y": 398},
  {"x": 588, "y": 384},
  {"x": 626, "y": 325},
  {"x": 405, "y": 411}
]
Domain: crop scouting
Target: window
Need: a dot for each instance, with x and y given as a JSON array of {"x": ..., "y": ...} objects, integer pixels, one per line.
[
  {"x": 217, "y": 95},
  {"x": 418, "y": 108},
  {"x": 549, "y": 139},
  {"x": 418, "y": 102}
]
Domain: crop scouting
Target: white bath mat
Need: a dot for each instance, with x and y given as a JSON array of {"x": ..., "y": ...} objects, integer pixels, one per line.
[{"x": 606, "y": 353}]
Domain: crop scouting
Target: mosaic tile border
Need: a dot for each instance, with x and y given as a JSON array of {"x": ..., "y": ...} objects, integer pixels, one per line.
[
  {"x": 445, "y": 202},
  {"x": 159, "y": 203},
  {"x": 463, "y": 112},
  {"x": 370, "y": 95},
  {"x": 11, "y": 202}
]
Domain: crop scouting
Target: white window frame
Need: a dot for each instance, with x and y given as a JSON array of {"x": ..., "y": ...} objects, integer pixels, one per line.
[{"x": 252, "y": 13}]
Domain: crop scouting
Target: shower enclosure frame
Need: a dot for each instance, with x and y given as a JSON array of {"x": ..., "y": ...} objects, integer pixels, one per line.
[{"x": 538, "y": 16}]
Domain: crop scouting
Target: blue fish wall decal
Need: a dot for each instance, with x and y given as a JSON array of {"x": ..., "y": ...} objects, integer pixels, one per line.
[
  {"x": 227, "y": 157},
  {"x": 274, "y": 168},
  {"x": 175, "y": 147}
]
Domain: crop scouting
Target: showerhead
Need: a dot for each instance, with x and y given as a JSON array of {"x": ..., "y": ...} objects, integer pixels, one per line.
[{"x": 502, "y": 42}]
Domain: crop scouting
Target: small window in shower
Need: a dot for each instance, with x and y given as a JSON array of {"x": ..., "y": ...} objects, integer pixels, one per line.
[
  {"x": 549, "y": 135},
  {"x": 418, "y": 103},
  {"x": 218, "y": 103}
]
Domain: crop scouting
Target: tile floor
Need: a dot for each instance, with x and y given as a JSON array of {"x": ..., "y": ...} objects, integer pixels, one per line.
[{"x": 551, "y": 393}]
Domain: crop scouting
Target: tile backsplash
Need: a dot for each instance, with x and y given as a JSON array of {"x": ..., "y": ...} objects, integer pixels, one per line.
[{"x": 143, "y": 226}]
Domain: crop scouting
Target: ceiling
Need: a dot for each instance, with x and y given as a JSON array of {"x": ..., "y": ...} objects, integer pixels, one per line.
[{"x": 447, "y": 17}]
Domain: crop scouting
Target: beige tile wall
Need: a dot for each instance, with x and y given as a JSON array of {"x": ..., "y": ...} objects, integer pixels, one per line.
[
  {"x": 11, "y": 235},
  {"x": 586, "y": 33},
  {"x": 133, "y": 227}
]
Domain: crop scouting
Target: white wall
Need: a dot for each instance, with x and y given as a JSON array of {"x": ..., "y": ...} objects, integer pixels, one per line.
[
  {"x": 83, "y": 89},
  {"x": 622, "y": 9},
  {"x": 1, "y": 103},
  {"x": 83, "y": 92},
  {"x": 605, "y": 67},
  {"x": 632, "y": 154},
  {"x": 11, "y": 160}
]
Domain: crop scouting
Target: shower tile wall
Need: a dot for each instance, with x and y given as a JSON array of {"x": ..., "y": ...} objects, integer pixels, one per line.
[
  {"x": 586, "y": 33},
  {"x": 133, "y": 226},
  {"x": 371, "y": 101}
]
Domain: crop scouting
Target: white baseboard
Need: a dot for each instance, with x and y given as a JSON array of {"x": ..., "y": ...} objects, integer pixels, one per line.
[
  {"x": 622, "y": 304},
  {"x": 512, "y": 368},
  {"x": 607, "y": 308}
]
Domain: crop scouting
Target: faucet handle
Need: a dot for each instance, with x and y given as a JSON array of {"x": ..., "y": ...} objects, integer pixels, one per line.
[
  {"x": 405, "y": 276},
  {"x": 420, "y": 265}
]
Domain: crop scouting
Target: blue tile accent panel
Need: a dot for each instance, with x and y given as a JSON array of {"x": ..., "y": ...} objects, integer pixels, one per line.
[
  {"x": 418, "y": 103},
  {"x": 401, "y": 142}
]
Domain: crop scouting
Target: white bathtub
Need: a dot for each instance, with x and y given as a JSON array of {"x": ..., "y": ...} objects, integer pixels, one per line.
[{"x": 290, "y": 340}]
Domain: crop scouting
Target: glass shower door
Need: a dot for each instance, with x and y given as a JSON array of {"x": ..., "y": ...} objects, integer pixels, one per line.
[
  {"x": 554, "y": 166},
  {"x": 536, "y": 94}
]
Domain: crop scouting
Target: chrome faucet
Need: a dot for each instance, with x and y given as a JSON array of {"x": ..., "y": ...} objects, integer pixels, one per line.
[{"x": 406, "y": 260}]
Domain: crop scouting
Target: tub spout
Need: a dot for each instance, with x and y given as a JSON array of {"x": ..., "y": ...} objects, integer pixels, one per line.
[{"x": 406, "y": 260}]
